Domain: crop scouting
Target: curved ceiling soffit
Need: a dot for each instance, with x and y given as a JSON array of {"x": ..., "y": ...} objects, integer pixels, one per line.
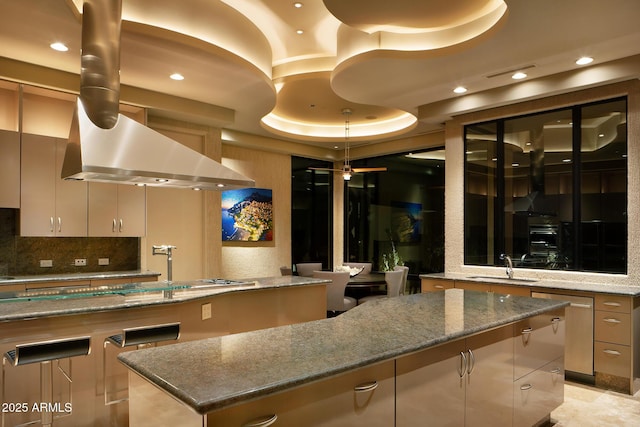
[
  {"x": 308, "y": 109},
  {"x": 228, "y": 55},
  {"x": 359, "y": 52}
]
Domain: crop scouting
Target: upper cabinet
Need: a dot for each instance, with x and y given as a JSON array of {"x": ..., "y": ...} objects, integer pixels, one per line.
[
  {"x": 50, "y": 206},
  {"x": 117, "y": 210},
  {"x": 9, "y": 169}
]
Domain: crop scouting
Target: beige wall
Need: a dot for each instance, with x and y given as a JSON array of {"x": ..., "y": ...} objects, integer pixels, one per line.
[{"x": 454, "y": 178}]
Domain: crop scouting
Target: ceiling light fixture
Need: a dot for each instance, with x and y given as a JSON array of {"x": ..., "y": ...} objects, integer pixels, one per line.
[
  {"x": 176, "y": 76},
  {"x": 460, "y": 89},
  {"x": 584, "y": 60},
  {"x": 60, "y": 47},
  {"x": 519, "y": 75},
  {"x": 299, "y": 31},
  {"x": 297, "y": 5}
]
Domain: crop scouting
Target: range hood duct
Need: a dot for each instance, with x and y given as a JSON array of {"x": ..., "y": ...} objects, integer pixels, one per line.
[{"x": 106, "y": 146}]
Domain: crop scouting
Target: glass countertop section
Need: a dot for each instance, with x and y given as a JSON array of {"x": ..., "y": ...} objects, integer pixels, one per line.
[{"x": 66, "y": 292}]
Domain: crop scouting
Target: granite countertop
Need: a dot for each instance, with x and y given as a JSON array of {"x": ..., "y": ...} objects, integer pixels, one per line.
[
  {"x": 14, "y": 280},
  {"x": 561, "y": 285},
  {"x": 218, "y": 372},
  {"x": 43, "y": 303}
]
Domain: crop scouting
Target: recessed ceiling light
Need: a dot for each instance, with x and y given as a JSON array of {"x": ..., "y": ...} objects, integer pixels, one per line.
[
  {"x": 60, "y": 47},
  {"x": 161, "y": 180},
  {"x": 460, "y": 89},
  {"x": 176, "y": 76},
  {"x": 220, "y": 185},
  {"x": 299, "y": 31},
  {"x": 584, "y": 60},
  {"x": 297, "y": 5},
  {"x": 519, "y": 75}
]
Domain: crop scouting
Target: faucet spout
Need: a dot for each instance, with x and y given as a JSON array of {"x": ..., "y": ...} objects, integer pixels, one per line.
[
  {"x": 166, "y": 250},
  {"x": 507, "y": 259}
]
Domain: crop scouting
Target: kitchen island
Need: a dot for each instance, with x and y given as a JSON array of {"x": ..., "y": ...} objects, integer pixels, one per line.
[
  {"x": 304, "y": 374},
  {"x": 203, "y": 308}
]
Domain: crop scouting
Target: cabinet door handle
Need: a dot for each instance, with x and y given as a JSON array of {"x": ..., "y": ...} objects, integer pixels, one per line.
[
  {"x": 611, "y": 304},
  {"x": 113, "y": 225},
  {"x": 51, "y": 224},
  {"x": 365, "y": 387},
  {"x": 263, "y": 421},
  {"x": 59, "y": 224},
  {"x": 462, "y": 369},
  {"x": 524, "y": 387},
  {"x": 611, "y": 320},
  {"x": 121, "y": 225},
  {"x": 612, "y": 352},
  {"x": 472, "y": 362}
]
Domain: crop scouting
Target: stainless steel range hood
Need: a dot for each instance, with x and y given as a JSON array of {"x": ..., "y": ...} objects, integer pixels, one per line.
[{"x": 107, "y": 146}]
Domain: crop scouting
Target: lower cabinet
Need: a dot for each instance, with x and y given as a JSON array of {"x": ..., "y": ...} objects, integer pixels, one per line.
[
  {"x": 464, "y": 383},
  {"x": 364, "y": 397},
  {"x": 538, "y": 393}
]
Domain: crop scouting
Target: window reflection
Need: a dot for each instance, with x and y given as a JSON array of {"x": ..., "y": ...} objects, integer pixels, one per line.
[{"x": 549, "y": 189}]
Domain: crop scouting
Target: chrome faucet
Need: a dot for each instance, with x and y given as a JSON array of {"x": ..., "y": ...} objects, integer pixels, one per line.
[
  {"x": 165, "y": 250},
  {"x": 507, "y": 259}
]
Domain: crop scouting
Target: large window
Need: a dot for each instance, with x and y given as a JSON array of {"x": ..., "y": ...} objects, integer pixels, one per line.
[
  {"x": 311, "y": 211},
  {"x": 549, "y": 189},
  {"x": 403, "y": 207}
]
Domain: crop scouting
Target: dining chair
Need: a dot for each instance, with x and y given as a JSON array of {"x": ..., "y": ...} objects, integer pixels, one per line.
[
  {"x": 337, "y": 301},
  {"x": 405, "y": 276},
  {"x": 366, "y": 266},
  {"x": 394, "y": 283},
  {"x": 286, "y": 271},
  {"x": 306, "y": 269}
]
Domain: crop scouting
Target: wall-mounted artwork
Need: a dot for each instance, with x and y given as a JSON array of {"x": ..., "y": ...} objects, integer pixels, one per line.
[{"x": 247, "y": 215}]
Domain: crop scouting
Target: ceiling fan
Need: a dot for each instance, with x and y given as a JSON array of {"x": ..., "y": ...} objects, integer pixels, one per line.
[{"x": 347, "y": 170}]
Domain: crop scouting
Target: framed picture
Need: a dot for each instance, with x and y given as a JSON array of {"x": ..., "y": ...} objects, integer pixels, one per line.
[
  {"x": 247, "y": 215},
  {"x": 406, "y": 221}
]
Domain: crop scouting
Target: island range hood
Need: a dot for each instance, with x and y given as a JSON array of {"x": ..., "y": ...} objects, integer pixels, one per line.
[{"x": 107, "y": 146}]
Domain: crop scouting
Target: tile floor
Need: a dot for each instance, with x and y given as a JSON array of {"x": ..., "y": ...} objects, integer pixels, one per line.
[{"x": 586, "y": 406}]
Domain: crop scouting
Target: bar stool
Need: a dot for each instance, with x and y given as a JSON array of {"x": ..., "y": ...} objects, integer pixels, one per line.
[
  {"x": 44, "y": 353},
  {"x": 139, "y": 337}
]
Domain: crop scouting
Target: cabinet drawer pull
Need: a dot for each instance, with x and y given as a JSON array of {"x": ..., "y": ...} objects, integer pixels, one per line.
[
  {"x": 524, "y": 387},
  {"x": 364, "y": 387},
  {"x": 611, "y": 304},
  {"x": 463, "y": 364},
  {"x": 612, "y": 352},
  {"x": 555, "y": 371},
  {"x": 555, "y": 320},
  {"x": 438, "y": 287},
  {"x": 263, "y": 421},
  {"x": 527, "y": 330},
  {"x": 578, "y": 305},
  {"x": 526, "y": 334},
  {"x": 611, "y": 320},
  {"x": 472, "y": 362}
]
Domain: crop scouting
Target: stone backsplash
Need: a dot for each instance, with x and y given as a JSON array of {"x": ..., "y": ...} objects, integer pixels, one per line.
[{"x": 21, "y": 255}]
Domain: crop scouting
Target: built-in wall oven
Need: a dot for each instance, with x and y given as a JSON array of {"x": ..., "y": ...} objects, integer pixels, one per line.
[{"x": 578, "y": 351}]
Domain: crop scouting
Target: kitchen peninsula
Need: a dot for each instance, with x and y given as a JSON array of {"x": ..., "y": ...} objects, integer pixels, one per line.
[
  {"x": 202, "y": 309},
  {"x": 394, "y": 361}
]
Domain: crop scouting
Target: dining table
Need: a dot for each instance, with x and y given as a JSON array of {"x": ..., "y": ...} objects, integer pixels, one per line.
[{"x": 365, "y": 284}]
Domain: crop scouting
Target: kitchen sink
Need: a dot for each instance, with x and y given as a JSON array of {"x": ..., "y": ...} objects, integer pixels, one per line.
[{"x": 503, "y": 279}]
